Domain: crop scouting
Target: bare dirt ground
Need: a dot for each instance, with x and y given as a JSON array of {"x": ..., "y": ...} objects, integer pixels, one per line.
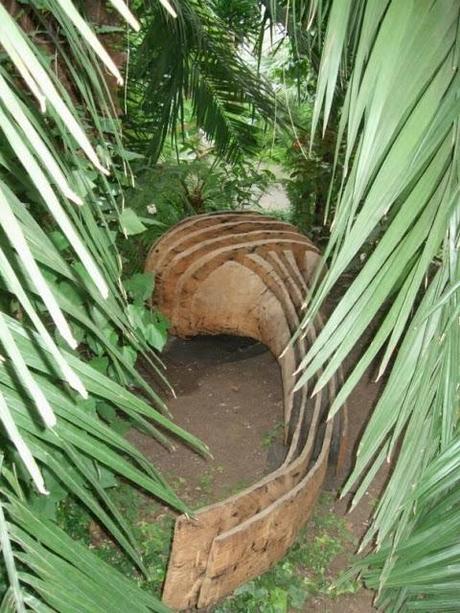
[{"x": 229, "y": 394}]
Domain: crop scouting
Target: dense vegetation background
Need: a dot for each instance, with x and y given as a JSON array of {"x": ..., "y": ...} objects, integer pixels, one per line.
[{"x": 217, "y": 96}]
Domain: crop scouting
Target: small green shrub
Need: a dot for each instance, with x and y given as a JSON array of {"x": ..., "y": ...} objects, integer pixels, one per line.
[
  {"x": 272, "y": 435},
  {"x": 175, "y": 189}
]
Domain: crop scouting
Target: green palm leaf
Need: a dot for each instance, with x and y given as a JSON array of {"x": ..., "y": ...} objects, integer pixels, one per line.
[
  {"x": 399, "y": 125},
  {"x": 52, "y": 174}
]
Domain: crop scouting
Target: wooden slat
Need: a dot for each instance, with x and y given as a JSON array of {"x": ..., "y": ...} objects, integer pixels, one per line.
[
  {"x": 178, "y": 263},
  {"x": 181, "y": 282}
]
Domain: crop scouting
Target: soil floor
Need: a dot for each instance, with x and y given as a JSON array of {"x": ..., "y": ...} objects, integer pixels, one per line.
[{"x": 229, "y": 395}]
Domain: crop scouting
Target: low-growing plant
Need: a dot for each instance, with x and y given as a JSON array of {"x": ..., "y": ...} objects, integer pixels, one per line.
[
  {"x": 173, "y": 190},
  {"x": 151, "y": 526},
  {"x": 274, "y": 434}
]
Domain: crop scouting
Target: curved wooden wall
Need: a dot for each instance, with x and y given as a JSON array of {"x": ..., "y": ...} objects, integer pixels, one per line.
[{"x": 248, "y": 275}]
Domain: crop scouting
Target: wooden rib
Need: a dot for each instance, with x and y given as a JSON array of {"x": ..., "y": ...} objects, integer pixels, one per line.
[
  {"x": 339, "y": 442},
  {"x": 190, "y": 224},
  {"x": 296, "y": 296},
  {"x": 193, "y": 232},
  {"x": 187, "y": 239},
  {"x": 189, "y": 273},
  {"x": 193, "y": 538}
]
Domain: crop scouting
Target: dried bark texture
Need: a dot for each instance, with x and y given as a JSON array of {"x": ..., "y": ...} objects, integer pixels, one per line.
[{"x": 248, "y": 275}]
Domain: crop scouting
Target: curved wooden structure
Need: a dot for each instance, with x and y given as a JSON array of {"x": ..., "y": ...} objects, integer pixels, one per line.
[{"x": 248, "y": 275}]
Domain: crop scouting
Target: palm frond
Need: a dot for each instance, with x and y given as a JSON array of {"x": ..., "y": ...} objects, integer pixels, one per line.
[
  {"x": 422, "y": 570},
  {"x": 401, "y": 181},
  {"x": 195, "y": 57},
  {"x": 50, "y": 561},
  {"x": 54, "y": 175}
]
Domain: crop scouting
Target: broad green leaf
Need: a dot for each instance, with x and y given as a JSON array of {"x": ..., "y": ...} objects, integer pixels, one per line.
[{"x": 130, "y": 222}]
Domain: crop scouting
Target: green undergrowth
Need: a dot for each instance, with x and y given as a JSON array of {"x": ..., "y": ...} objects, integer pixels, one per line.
[
  {"x": 275, "y": 434},
  {"x": 152, "y": 527},
  {"x": 302, "y": 574}
]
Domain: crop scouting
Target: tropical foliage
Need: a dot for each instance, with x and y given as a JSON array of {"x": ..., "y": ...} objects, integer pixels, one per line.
[
  {"x": 399, "y": 126},
  {"x": 62, "y": 302},
  {"x": 196, "y": 58},
  {"x": 387, "y": 81}
]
